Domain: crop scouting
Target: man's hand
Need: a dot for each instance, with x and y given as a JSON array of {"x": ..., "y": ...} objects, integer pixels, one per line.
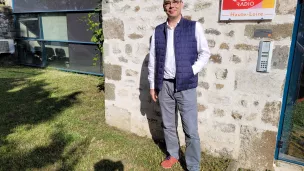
[{"x": 153, "y": 95}]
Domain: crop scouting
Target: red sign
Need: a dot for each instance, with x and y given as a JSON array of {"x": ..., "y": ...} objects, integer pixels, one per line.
[
  {"x": 248, "y": 9},
  {"x": 241, "y": 4}
]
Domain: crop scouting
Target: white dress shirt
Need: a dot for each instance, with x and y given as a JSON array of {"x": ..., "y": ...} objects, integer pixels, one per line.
[{"x": 170, "y": 66}]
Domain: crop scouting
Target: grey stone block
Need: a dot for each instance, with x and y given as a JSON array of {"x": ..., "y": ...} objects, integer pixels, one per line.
[
  {"x": 109, "y": 91},
  {"x": 113, "y": 29},
  {"x": 113, "y": 72},
  {"x": 280, "y": 57}
]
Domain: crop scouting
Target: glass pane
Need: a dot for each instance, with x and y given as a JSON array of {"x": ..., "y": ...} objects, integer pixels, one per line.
[
  {"x": 57, "y": 54},
  {"x": 28, "y": 26},
  {"x": 54, "y": 27},
  {"x": 293, "y": 128},
  {"x": 77, "y": 23},
  {"x": 85, "y": 58},
  {"x": 30, "y": 52},
  {"x": 73, "y": 56},
  {"x": 53, "y": 5}
]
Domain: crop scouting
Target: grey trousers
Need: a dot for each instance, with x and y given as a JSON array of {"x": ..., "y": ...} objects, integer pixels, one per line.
[{"x": 186, "y": 102}]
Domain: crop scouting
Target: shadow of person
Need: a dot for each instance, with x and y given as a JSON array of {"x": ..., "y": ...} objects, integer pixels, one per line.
[
  {"x": 151, "y": 110},
  {"x": 108, "y": 165}
]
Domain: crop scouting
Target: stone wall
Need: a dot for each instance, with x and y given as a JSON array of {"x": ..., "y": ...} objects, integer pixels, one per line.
[
  {"x": 6, "y": 32},
  {"x": 238, "y": 107},
  {"x": 6, "y": 22}
]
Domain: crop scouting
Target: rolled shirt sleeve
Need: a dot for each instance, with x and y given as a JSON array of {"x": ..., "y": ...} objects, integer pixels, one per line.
[
  {"x": 151, "y": 66},
  {"x": 202, "y": 49}
]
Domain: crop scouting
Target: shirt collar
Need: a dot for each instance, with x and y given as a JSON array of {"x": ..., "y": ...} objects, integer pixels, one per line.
[{"x": 169, "y": 27}]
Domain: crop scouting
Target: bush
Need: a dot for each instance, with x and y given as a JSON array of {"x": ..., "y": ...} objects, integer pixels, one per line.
[
  {"x": 101, "y": 84},
  {"x": 298, "y": 114}
]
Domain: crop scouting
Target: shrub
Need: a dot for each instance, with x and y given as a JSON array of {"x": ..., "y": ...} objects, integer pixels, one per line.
[{"x": 298, "y": 114}]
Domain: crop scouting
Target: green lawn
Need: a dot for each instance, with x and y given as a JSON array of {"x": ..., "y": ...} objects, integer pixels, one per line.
[{"x": 53, "y": 120}]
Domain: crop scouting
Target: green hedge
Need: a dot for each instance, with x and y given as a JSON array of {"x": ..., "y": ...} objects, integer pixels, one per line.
[{"x": 298, "y": 114}]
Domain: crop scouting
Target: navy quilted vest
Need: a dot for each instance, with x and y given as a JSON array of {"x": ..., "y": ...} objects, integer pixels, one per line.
[{"x": 185, "y": 47}]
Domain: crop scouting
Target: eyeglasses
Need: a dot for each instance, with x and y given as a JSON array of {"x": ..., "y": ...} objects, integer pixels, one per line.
[{"x": 172, "y": 3}]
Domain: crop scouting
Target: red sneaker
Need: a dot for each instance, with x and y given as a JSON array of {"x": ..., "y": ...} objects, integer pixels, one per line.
[{"x": 169, "y": 162}]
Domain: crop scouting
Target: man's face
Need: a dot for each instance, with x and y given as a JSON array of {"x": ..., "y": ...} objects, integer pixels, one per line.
[{"x": 173, "y": 8}]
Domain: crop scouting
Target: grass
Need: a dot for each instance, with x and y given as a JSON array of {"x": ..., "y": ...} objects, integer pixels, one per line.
[{"x": 52, "y": 120}]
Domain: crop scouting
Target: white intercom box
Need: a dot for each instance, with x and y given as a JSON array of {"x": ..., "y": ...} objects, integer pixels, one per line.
[{"x": 265, "y": 56}]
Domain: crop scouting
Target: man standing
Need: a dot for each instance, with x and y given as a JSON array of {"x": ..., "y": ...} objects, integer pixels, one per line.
[{"x": 178, "y": 51}]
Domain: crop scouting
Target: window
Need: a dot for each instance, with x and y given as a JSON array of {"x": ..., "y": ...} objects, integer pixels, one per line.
[
  {"x": 28, "y": 26},
  {"x": 66, "y": 27},
  {"x": 23, "y": 6},
  {"x": 73, "y": 56},
  {"x": 85, "y": 58},
  {"x": 57, "y": 39},
  {"x": 54, "y": 26},
  {"x": 77, "y": 24},
  {"x": 57, "y": 54},
  {"x": 30, "y": 52}
]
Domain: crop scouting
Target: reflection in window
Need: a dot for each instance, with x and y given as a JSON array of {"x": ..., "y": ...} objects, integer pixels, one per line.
[
  {"x": 54, "y": 27},
  {"x": 28, "y": 26},
  {"x": 85, "y": 58},
  {"x": 53, "y": 31},
  {"x": 57, "y": 54},
  {"x": 30, "y": 52},
  {"x": 73, "y": 56},
  {"x": 77, "y": 23}
]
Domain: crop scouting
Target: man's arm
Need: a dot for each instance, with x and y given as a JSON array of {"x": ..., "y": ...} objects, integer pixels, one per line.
[
  {"x": 202, "y": 49},
  {"x": 151, "y": 67}
]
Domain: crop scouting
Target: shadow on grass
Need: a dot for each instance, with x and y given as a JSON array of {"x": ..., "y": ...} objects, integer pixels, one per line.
[
  {"x": 108, "y": 165},
  {"x": 45, "y": 155},
  {"x": 27, "y": 102}
]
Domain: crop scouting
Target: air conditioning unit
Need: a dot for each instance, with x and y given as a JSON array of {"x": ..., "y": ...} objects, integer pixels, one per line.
[{"x": 7, "y": 46}]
